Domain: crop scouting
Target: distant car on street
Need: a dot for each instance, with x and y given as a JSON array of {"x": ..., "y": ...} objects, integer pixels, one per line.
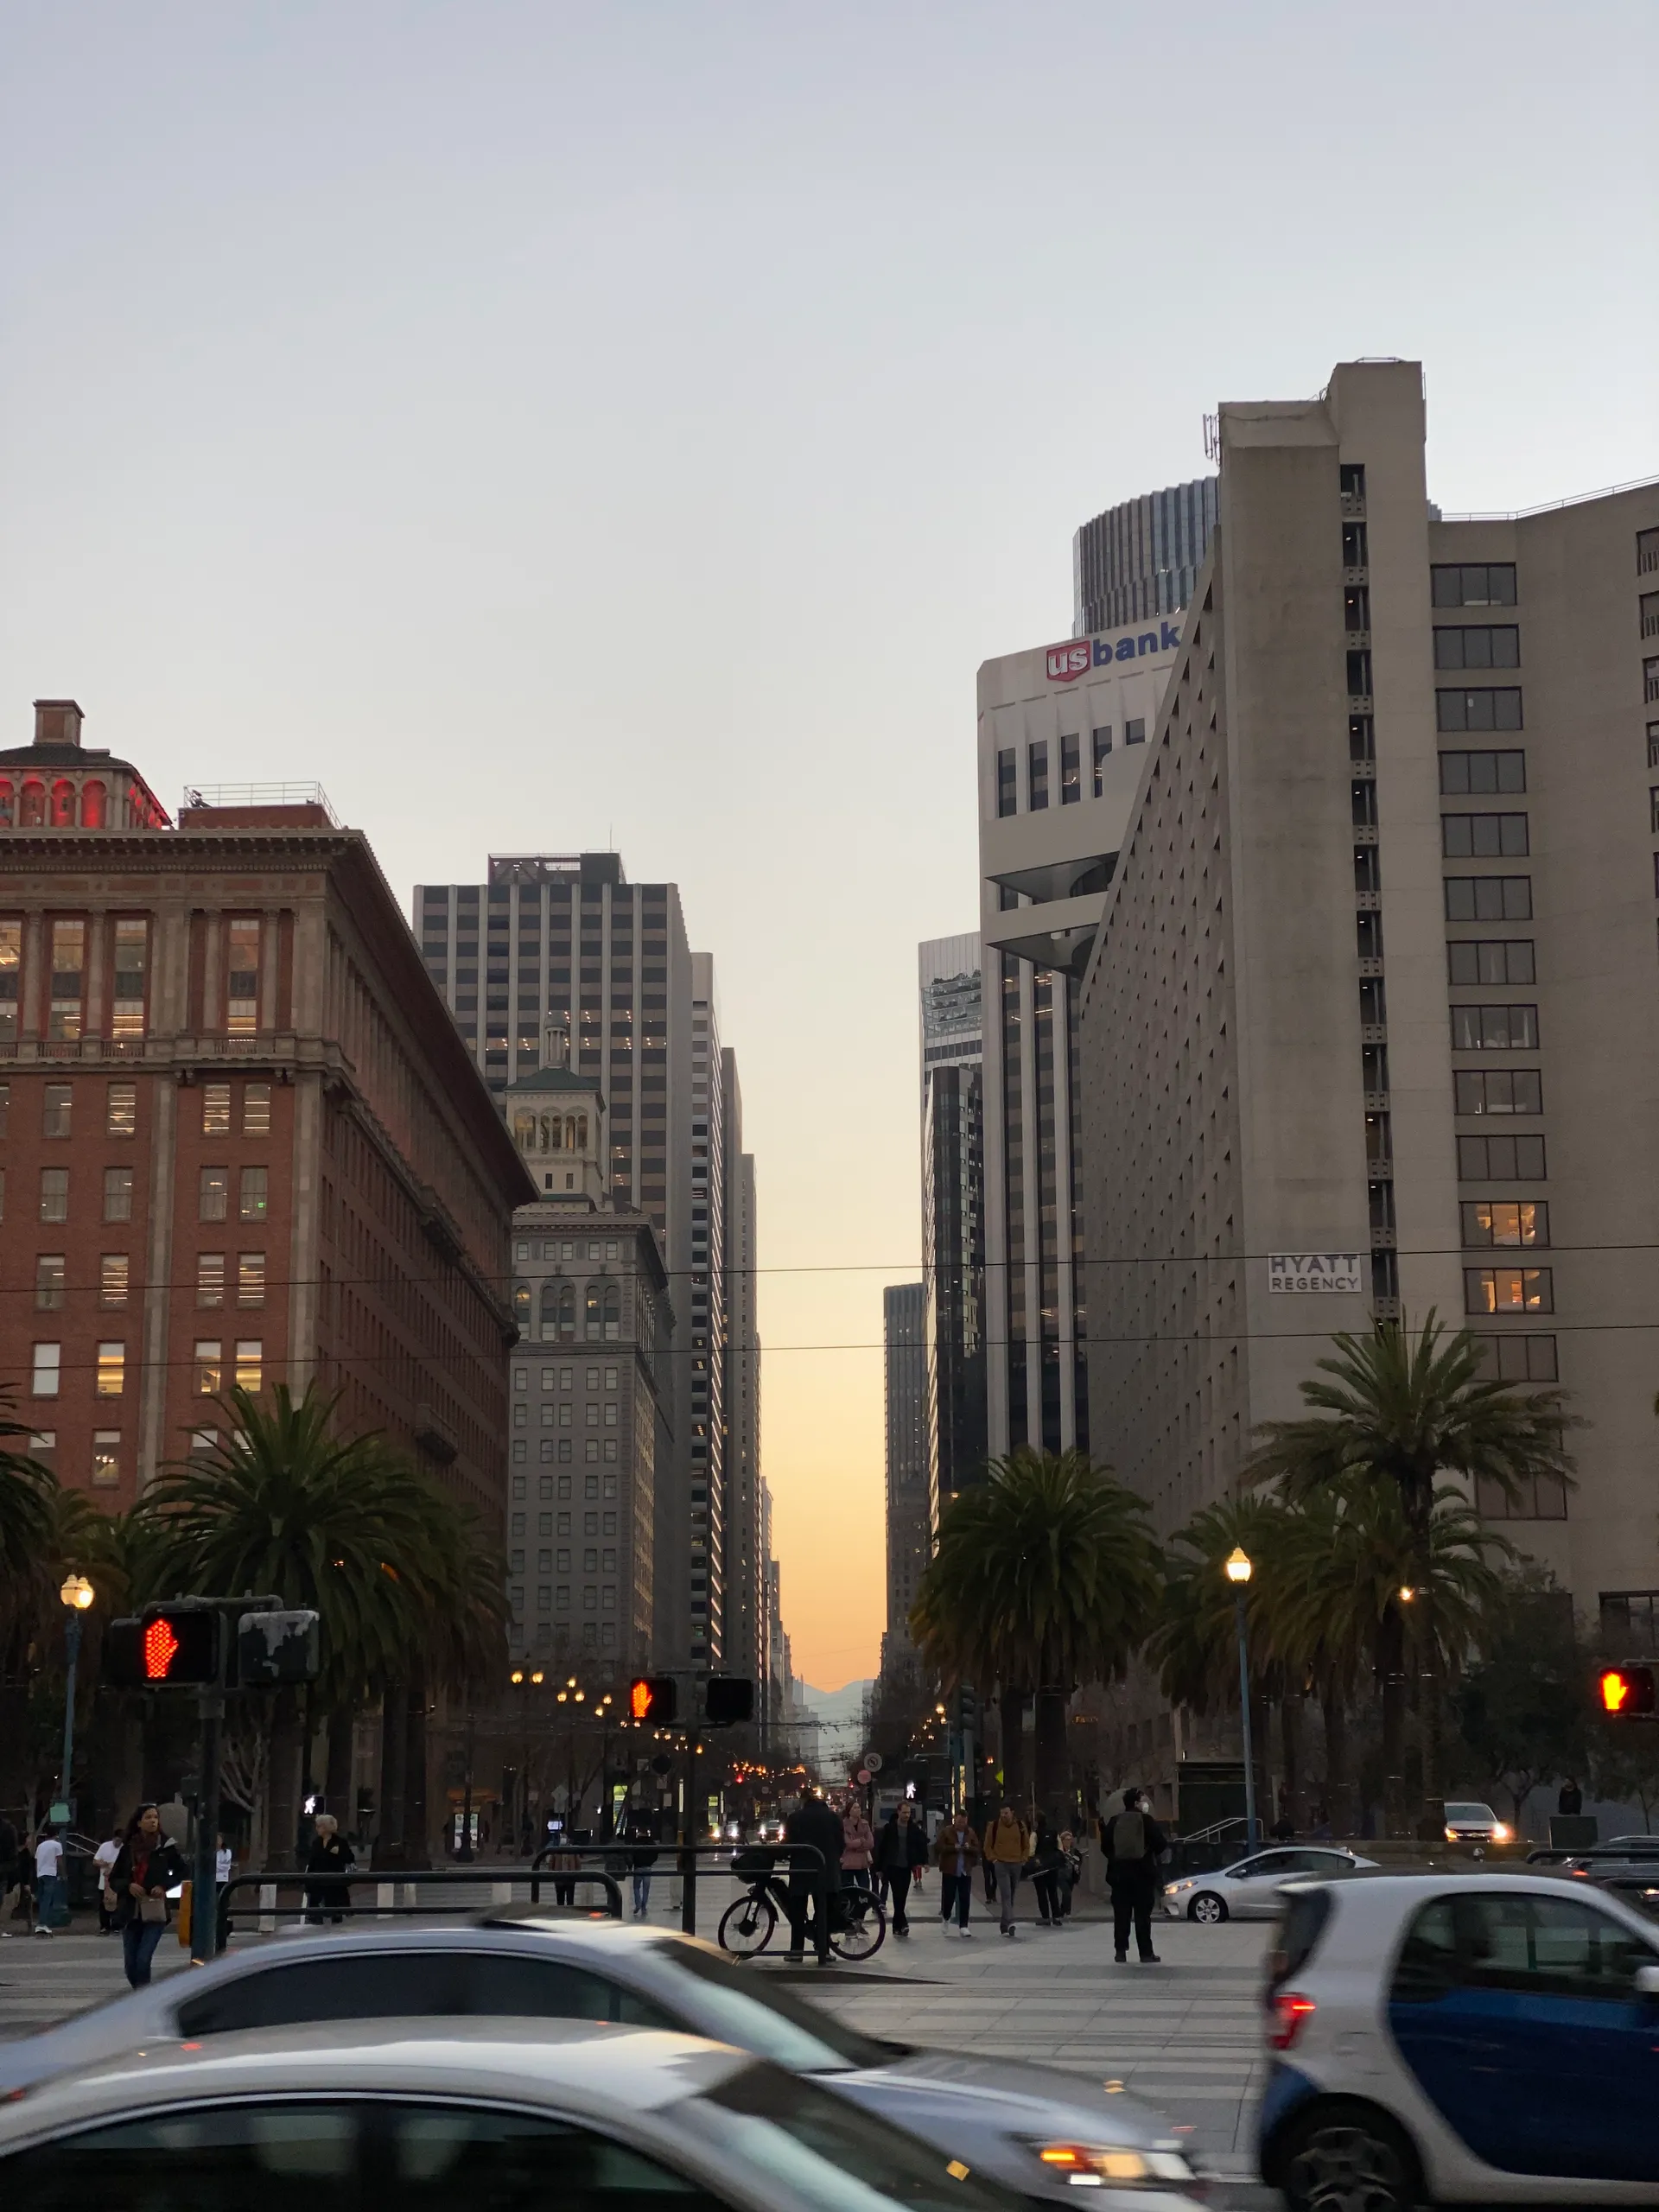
[
  {"x": 1627, "y": 1866},
  {"x": 1469, "y": 1822},
  {"x": 1249, "y": 1890}
]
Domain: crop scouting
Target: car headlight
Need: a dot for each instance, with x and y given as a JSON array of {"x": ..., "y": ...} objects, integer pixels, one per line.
[
  {"x": 1500, "y": 1834},
  {"x": 1171, "y": 1888},
  {"x": 1098, "y": 2166}
]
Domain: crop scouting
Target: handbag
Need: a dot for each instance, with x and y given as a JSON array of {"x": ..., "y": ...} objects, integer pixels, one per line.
[{"x": 152, "y": 1910}]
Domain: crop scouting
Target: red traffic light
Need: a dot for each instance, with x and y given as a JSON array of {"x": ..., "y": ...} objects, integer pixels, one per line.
[
  {"x": 651, "y": 1697},
  {"x": 179, "y": 1644},
  {"x": 1627, "y": 1692}
]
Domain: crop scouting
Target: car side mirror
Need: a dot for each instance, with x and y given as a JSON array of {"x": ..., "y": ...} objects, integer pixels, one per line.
[{"x": 1647, "y": 1981}]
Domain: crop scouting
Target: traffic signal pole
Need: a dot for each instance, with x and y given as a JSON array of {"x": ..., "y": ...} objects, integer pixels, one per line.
[
  {"x": 204, "y": 1884},
  {"x": 688, "y": 1837}
]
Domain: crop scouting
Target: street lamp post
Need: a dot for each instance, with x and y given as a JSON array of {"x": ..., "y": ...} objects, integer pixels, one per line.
[
  {"x": 1239, "y": 1568},
  {"x": 77, "y": 1594}
]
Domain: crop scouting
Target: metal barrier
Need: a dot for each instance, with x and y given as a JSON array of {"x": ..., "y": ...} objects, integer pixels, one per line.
[
  {"x": 333, "y": 1894},
  {"x": 797, "y": 1858}
]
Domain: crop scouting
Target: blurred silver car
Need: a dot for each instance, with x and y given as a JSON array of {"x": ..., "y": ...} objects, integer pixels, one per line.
[
  {"x": 1249, "y": 1890},
  {"x": 1038, "y": 2130}
]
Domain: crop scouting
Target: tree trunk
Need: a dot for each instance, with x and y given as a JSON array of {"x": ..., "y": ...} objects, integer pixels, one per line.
[
  {"x": 1290, "y": 1735},
  {"x": 338, "y": 1796},
  {"x": 283, "y": 1781},
  {"x": 394, "y": 1753},
  {"x": 1391, "y": 1670},
  {"x": 417, "y": 1843},
  {"x": 1053, "y": 1759},
  {"x": 1338, "y": 1785},
  {"x": 1011, "y": 1711}
]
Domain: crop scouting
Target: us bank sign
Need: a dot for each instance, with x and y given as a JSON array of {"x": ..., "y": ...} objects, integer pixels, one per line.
[
  {"x": 1068, "y": 662},
  {"x": 1315, "y": 1272}
]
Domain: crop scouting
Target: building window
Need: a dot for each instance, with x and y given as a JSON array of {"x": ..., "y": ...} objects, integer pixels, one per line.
[
  {"x": 1482, "y": 648},
  {"x": 131, "y": 969},
  {"x": 1472, "y": 774},
  {"x": 1489, "y": 897},
  {"x": 106, "y": 1458},
  {"x": 1497, "y": 1090},
  {"x": 209, "y": 1368},
  {"x": 11, "y": 961},
  {"x": 215, "y": 1109},
  {"x": 111, "y": 1374},
  {"x": 612, "y": 1312},
  {"x": 54, "y": 1194},
  {"x": 1539, "y": 1497},
  {"x": 1507, "y": 1290},
  {"x": 1483, "y": 836},
  {"x": 1494, "y": 1028},
  {"x": 1501, "y": 1160},
  {"x": 1480, "y": 583},
  {"x": 1504, "y": 1221},
  {"x": 1649, "y": 611},
  {"x": 1100, "y": 744},
  {"x": 57, "y": 1109},
  {"x": 249, "y": 1363},
  {"x": 255, "y": 1110},
  {"x": 1647, "y": 551},
  {"x": 1070, "y": 771},
  {"x": 210, "y": 1279},
  {"x": 47, "y": 1371},
  {"x": 51, "y": 1273},
  {"x": 68, "y": 963},
  {"x": 117, "y": 1194},
  {"x": 242, "y": 985},
  {"x": 114, "y": 1279},
  {"x": 1494, "y": 709},
  {"x": 213, "y": 1194},
  {"x": 1650, "y": 681},
  {"x": 1037, "y": 776},
  {"x": 1007, "y": 797},
  {"x": 520, "y": 1448},
  {"x": 1492, "y": 960},
  {"x": 1134, "y": 731},
  {"x": 252, "y": 1195},
  {"x": 5, "y": 1107}
]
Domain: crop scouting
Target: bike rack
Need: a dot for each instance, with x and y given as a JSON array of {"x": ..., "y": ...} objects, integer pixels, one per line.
[{"x": 334, "y": 1894}]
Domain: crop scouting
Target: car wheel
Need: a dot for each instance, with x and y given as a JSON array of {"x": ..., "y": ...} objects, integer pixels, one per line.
[
  {"x": 1350, "y": 2159},
  {"x": 1208, "y": 1908}
]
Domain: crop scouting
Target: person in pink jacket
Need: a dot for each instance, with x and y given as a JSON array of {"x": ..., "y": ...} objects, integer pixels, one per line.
[{"x": 861, "y": 1843}]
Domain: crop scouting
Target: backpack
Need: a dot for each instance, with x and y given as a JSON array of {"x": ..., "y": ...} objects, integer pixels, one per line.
[{"x": 1130, "y": 1836}]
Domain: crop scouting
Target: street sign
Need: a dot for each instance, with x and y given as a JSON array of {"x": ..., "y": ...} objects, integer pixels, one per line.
[
  {"x": 863, "y": 1775},
  {"x": 872, "y": 1760}
]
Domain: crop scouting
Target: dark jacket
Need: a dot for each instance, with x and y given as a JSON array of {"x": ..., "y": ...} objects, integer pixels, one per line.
[
  {"x": 640, "y": 1827},
  {"x": 328, "y": 1855},
  {"x": 164, "y": 1869},
  {"x": 1133, "y": 1873},
  {"x": 949, "y": 1847},
  {"x": 898, "y": 1847},
  {"x": 814, "y": 1822}
]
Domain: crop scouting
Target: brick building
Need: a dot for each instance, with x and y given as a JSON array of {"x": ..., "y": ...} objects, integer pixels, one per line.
[{"x": 240, "y": 1139}]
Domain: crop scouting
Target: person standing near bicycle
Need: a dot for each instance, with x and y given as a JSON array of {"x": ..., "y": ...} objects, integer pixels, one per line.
[
  {"x": 900, "y": 1855},
  {"x": 955, "y": 1853},
  {"x": 813, "y": 1821},
  {"x": 856, "y": 1852}
]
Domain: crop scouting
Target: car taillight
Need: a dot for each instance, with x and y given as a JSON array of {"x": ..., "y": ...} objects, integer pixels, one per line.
[{"x": 1286, "y": 2013}]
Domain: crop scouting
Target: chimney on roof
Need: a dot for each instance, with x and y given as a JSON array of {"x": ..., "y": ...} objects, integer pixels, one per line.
[{"x": 57, "y": 722}]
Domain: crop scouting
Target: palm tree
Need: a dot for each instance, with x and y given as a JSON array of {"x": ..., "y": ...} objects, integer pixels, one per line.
[
  {"x": 26, "y": 1493},
  {"x": 1046, "y": 1575},
  {"x": 1403, "y": 1411}
]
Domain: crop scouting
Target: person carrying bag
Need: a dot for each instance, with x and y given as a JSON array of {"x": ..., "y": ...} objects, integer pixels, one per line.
[{"x": 146, "y": 1866}]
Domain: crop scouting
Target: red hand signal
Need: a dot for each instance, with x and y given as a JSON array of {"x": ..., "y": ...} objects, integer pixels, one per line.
[{"x": 161, "y": 1647}]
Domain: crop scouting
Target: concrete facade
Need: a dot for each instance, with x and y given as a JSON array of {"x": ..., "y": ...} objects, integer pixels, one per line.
[
  {"x": 953, "y": 1211},
  {"x": 909, "y": 1545}
]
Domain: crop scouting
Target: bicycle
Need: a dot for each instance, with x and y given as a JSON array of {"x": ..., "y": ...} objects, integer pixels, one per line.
[{"x": 858, "y": 1925}]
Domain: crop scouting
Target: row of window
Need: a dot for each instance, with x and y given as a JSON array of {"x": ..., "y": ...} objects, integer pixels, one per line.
[
  {"x": 121, "y": 1109},
  {"x": 209, "y": 1368},
  {"x": 1496, "y": 707},
  {"x": 545, "y": 1485},
  {"x": 1492, "y": 960},
  {"x": 1483, "y": 836},
  {"x": 1494, "y": 1028},
  {"x": 212, "y": 1195},
  {"x": 105, "y": 1471},
  {"x": 1474, "y": 774},
  {"x": 564, "y": 1378},
  {"x": 564, "y": 1453},
  {"x": 601, "y": 1309},
  {"x": 592, "y": 1601},
  {"x": 1497, "y": 1090},
  {"x": 1477, "y": 648},
  {"x": 592, "y": 1524},
  {"x": 1489, "y": 897},
  {"x": 594, "y": 1249},
  {"x": 1036, "y": 783},
  {"x": 1507, "y": 1290},
  {"x": 214, "y": 1279},
  {"x": 563, "y": 1416},
  {"x": 1501, "y": 1160},
  {"x": 559, "y": 1562},
  {"x": 1504, "y": 1221},
  {"x": 67, "y": 948},
  {"x": 1472, "y": 583}
]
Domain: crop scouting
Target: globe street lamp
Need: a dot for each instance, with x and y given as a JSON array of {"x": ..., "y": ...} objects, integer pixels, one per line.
[
  {"x": 1239, "y": 1569},
  {"x": 76, "y": 1593}
]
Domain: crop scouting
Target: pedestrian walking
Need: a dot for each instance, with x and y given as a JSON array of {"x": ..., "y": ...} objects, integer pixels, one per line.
[
  {"x": 49, "y": 1906},
  {"x": 900, "y": 1855},
  {"x": 331, "y": 1858},
  {"x": 1044, "y": 1868},
  {"x": 146, "y": 1867},
  {"x": 638, "y": 1827},
  {"x": 1006, "y": 1849},
  {"x": 956, "y": 1853},
  {"x": 815, "y": 1822},
  {"x": 1069, "y": 1872},
  {"x": 103, "y": 1860},
  {"x": 860, "y": 1844},
  {"x": 1134, "y": 1843},
  {"x": 224, "y": 1863}
]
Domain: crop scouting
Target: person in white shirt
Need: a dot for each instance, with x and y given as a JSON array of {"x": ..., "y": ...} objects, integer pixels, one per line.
[
  {"x": 104, "y": 1858},
  {"x": 48, "y": 1881},
  {"x": 223, "y": 1863}
]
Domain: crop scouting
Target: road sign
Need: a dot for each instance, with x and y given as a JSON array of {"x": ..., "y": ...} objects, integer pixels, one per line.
[
  {"x": 872, "y": 1760},
  {"x": 863, "y": 1775}
]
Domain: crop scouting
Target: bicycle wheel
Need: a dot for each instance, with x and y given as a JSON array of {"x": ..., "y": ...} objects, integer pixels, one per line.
[
  {"x": 746, "y": 1925},
  {"x": 862, "y": 1925}
]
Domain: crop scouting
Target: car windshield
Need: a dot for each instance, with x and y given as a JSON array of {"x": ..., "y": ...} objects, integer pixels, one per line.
[
  {"x": 1470, "y": 1813},
  {"x": 736, "y": 2006},
  {"x": 827, "y": 2154}
]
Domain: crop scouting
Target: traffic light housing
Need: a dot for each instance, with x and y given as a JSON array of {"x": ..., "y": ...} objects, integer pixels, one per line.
[
  {"x": 651, "y": 1697},
  {"x": 166, "y": 1647},
  {"x": 728, "y": 1699},
  {"x": 273, "y": 1649},
  {"x": 1627, "y": 1693}
]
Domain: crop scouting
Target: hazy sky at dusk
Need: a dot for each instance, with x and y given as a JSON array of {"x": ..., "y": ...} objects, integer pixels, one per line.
[{"x": 555, "y": 427}]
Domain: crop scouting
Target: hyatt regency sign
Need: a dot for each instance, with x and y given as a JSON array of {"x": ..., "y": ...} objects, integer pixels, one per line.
[{"x": 1288, "y": 1272}]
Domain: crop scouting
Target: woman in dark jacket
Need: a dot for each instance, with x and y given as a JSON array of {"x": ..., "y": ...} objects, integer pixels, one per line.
[
  {"x": 1047, "y": 1861},
  {"x": 900, "y": 1855},
  {"x": 146, "y": 1868}
]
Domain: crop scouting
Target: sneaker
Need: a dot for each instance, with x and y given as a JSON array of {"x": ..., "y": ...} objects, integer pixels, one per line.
[
  {"x": 46, "y": 1932},
  {"x": 967, "y": 1934}
]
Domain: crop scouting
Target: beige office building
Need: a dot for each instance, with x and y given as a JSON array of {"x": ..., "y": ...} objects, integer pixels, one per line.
[{"x": 1371, "y": 1021}]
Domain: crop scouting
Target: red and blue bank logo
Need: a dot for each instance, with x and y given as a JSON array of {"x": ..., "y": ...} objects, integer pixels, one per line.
[{"x": 1068, "y": 662}]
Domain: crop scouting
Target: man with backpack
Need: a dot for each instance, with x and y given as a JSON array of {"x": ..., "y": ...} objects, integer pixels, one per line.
[{"x": 1134, "y": 1843}]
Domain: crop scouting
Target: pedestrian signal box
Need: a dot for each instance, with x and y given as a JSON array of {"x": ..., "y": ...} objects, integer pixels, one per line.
[
  {"x": 728, "y": 1699},
  {"x": 165, "y": 1647},
  {"x": 651, "y": 1697},
  {"x": 1627, "y": 1693}
]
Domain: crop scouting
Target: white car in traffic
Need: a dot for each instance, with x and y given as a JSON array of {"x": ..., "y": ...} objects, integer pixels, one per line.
[{"x": 1249, "y": 1889}]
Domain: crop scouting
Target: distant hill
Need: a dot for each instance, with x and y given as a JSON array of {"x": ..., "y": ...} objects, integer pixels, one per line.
[{"x": 841, "y": 1712}]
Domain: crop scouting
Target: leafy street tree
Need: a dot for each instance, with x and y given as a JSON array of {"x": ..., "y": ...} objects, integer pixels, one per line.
[
  {"x": 1523, "y": 1708},
  {"x": 1046, "y": 1576},
  {"x": 1405, "y": 1411}
]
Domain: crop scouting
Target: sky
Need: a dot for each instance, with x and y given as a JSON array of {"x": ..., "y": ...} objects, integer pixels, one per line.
[{"x": 556, "y": 427}]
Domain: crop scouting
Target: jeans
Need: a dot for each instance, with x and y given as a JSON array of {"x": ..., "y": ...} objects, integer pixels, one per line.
[
  {"x": 641, "y": 1892},
  {"x": 138, "y": 1941},
  {"x": 1131, "y": 1902},
  {"x": 49, "y": 1909},
  {"x": 855, "y": 1878},
  {"x": 1007, "y": 1876},
  {"x": 955, "y": 1892}
]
